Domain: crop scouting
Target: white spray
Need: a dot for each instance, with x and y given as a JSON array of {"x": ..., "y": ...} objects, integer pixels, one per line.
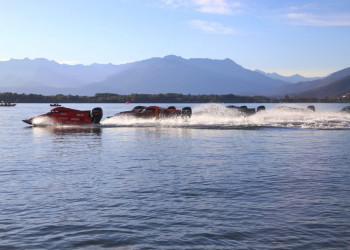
[{"x": 219, "y": 117}]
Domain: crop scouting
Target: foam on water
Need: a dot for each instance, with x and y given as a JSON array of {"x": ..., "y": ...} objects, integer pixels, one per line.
[
  {"x": 43, "y": 121},
  {"x": 217, "y": 116}
]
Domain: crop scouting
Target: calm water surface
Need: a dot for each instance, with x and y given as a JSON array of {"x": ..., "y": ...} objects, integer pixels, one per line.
[{"x": 279, "y": 180}]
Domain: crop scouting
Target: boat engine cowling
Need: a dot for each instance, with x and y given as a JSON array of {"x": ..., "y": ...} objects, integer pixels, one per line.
[
  {"x": 260, "y": 108},
  {"x": 311, "y": 108},
  {"x": 186, "y": 112},
  {"x": 96, "y": 115}
]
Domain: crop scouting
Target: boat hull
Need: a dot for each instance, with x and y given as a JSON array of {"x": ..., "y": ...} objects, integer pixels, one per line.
[
  {"x": 156, "y": 112},
  {"x": 7, "y": 105},
  {"x": 66, "y": 116}
]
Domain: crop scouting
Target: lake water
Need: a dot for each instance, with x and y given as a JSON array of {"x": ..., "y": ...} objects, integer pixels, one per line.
[{"x": 275, "y": 180}]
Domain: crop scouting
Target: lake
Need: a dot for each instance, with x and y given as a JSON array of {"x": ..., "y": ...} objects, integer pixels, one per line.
[{"x": 275, "y": 180}]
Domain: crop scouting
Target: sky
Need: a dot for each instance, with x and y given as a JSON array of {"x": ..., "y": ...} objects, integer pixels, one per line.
[{"x": 307, "y": 37}]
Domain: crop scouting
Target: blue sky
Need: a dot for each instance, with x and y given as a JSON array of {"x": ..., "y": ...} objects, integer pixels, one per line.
[{"x": 309, "y": 37}]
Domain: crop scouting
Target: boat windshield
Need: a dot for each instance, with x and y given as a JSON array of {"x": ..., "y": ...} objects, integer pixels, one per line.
[
  {"x": 138, "y": 108},
  {"x": 149, "y": 110}
]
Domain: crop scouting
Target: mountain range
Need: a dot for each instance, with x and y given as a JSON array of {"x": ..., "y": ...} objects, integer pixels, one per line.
[
  {"x": 291, "y": 79},
  {"x": 170, "y": 74},
  {"x": 336, "y": 88},
  {"x": 311, "y": 88}
]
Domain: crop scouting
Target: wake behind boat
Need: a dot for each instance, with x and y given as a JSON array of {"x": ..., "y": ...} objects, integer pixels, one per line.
[{"x": 67, "y": 116}]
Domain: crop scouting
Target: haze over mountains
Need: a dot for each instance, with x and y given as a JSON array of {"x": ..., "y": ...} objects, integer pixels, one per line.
[
  {"x": 291, "y": 79},
  {"x": 171, "y": 74}
]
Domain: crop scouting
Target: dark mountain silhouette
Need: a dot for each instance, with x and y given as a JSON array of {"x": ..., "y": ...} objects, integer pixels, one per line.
[
  {"x": 173, "y": 74},
  {"x": 291, "y": 79},
  {"x": 334, "y": 89},
  {"x": 297, "y": 88}
]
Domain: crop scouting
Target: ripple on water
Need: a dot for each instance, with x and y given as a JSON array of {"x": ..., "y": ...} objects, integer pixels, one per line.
[{"x": 168, "y": 184}]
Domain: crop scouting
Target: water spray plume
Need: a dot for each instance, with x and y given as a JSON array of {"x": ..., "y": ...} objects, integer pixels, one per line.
[{"x": 217, "y": 116}]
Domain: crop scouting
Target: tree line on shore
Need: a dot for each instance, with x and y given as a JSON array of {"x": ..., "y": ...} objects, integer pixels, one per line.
[{"x": 162, "y": 98}]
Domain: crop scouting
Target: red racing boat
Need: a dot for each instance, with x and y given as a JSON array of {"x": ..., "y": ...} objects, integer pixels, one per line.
[
  {"x": 156, "y": 112},
  {"x": 67, "y": 116}
]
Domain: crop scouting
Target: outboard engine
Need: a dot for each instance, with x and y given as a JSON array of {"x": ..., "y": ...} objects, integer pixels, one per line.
[
  {"x": 311, "y": 108},
  {"x": 246, "y": 111},
  {"x": 96, "y": 114},
  {"x": 186, "y": 112},
  {"x": 260, "y": 108},
  {"x": 243, "y": 109}
]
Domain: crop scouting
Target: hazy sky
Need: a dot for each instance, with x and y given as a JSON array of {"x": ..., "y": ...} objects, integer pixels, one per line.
[{"x": 310, "y": 37}]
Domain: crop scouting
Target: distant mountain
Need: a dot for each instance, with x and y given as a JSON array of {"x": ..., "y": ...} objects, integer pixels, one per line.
[
  {"x": 48, "y": 77},
  {"x": 291, "y": 79},
  {"x": 334, "y": 89},
  {"x": 173, "y": 74},
  {"x": 155, "y": 75},
  {"x": 301, "y": 87}
]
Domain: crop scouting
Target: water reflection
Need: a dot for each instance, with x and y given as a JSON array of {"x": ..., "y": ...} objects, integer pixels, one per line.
[
  {"x": 59, "y": 130},
  {"x": 164, "y": 186},
  {"x": 59, "y": 145}
]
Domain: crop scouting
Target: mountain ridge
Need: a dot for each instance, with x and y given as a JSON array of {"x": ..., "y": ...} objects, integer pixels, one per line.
[
  {"x": 173, "y": 74},
  {"x": 170, "y": 74},
  {"x": 302, "y": 87},
  {"x": 291, "y": 79},
  {"x": 336, "y": 88}
]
